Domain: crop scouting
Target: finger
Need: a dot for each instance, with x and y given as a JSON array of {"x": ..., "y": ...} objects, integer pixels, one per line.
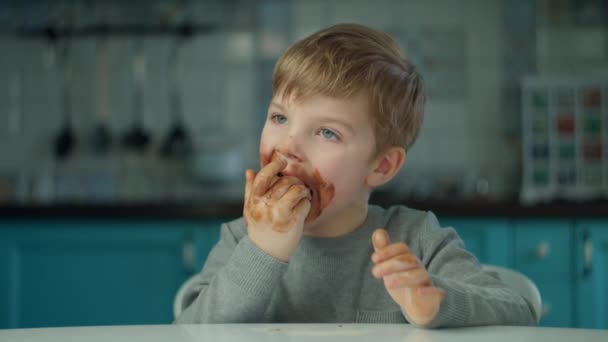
[
  {"x": 266, "y": 177},
  {"x": 274, "y": 181},
  {"x": 281, "y": 187},
  {"x": 399, "y": 263},
  {"x": 271, "y": 185},
  {"x": 249, "y": 177},
  {"x": 389, "y": 252},
  {"x": 413, "y": 278},
  {"x": 294, "y": 194},
  {"x": 301, "y": 209},
  {"x": 298, "y": 214},
  {"x": 380, "y": 239}
]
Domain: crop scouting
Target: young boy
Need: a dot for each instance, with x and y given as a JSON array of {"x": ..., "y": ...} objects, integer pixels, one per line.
[{"x": 346, "y": 106}]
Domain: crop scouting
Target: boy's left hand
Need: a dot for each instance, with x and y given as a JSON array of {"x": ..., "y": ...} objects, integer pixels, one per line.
[{"x": 405, "y": 279}]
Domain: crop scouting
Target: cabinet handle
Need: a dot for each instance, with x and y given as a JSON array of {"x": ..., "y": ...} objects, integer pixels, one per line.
[
  {"x": 545, "y": 310},
  {"x": 587, "y": 254},
  {"x": 543, "y": 249}
]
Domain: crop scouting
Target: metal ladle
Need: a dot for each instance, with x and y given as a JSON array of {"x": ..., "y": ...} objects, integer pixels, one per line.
[
  {"x": 66, "y": 139},
  {"x": 137, "y": 138},
  {"x": 101, "y": 138}
]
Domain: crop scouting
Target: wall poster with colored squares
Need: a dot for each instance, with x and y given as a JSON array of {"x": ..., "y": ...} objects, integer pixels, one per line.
[{"x": 565, "y": 139}]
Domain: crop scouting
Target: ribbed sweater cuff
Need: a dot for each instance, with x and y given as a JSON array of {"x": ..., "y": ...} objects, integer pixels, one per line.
[{"x": 253, "y": 270}]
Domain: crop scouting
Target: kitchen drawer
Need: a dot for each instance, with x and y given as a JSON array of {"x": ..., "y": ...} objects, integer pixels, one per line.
[{"x": 543, "y": 246}]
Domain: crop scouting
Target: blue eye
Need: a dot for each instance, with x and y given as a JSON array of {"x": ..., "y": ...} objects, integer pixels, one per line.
[
  {"x": 278, "y": 119},
  {"x": 328, "y": 134}
]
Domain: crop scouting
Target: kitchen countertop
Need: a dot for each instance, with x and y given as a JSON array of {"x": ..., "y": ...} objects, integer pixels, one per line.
[
  {"x": 300, "y": 332},
  {"x": 233, "y": 208}
]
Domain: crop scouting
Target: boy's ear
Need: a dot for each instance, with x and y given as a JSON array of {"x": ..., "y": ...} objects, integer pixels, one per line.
[{"x": 386, "y": 166}]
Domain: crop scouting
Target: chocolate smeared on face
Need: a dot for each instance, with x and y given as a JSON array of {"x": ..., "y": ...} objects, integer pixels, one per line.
[{"x": 323, "y": 194}]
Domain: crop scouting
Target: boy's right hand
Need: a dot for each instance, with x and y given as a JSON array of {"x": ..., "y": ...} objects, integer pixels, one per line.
[{"x": 275, "y": 209}]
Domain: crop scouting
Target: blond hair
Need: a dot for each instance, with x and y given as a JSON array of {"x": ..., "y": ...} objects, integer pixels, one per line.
[{"x": 346, "y": 59}]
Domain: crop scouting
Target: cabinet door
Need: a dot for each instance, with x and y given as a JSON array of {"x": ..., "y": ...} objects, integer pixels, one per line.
[
  {"x": 488, "y": 239},
  {"x": 543, "y": 253},
  {"x": 65, "y": 273},
  {"x": 591, "y": 270}
]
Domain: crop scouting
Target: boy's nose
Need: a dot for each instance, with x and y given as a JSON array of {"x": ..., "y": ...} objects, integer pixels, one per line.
[{"x": 290, "y": 149}]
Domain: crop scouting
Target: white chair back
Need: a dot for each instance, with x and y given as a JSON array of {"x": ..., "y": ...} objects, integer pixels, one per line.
[
  {"x": 521, "y": 284},
  {"x": 178, "y": 302}
]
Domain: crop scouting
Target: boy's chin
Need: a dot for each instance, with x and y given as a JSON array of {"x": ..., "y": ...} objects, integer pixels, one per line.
[
  {"x": 311, "y": 225},
  {"x": 310, "y": 231}
]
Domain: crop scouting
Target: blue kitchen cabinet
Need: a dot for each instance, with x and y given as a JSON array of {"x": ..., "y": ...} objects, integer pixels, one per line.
[
  {"x": 89, "y": 272},
  {"x": 488, "y": 239},
  {"x": 543, "y": 252},
  {"x": 205, "y": 238},
  {"x": 591, "y": 274}
]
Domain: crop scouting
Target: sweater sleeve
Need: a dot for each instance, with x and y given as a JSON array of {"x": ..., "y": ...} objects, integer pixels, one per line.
[
  {"x": 236, "y": 283},
  {"x": 473, "y": 297}
]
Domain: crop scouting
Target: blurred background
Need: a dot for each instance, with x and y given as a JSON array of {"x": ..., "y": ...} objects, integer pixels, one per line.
[
  {"x": 125, "y": 127},
  {"x": 126, "y": 101}
]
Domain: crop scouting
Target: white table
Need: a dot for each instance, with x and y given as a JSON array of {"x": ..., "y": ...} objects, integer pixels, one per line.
[{"x": 300, "y": 332}]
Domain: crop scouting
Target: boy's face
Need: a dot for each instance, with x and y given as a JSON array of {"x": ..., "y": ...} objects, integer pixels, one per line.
[{"x": 328, "y": 144}]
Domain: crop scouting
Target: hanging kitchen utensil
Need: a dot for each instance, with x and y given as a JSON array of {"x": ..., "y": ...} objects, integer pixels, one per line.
[
  {"x": 177, "y": 142},
  {"x": 66, "y": 138},
  {"x": 101, "y": 138},
  {"x": 137, "y": 138}
]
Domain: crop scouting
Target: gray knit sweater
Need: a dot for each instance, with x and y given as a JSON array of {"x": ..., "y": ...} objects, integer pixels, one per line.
[{"x": 329, "y": 280}]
